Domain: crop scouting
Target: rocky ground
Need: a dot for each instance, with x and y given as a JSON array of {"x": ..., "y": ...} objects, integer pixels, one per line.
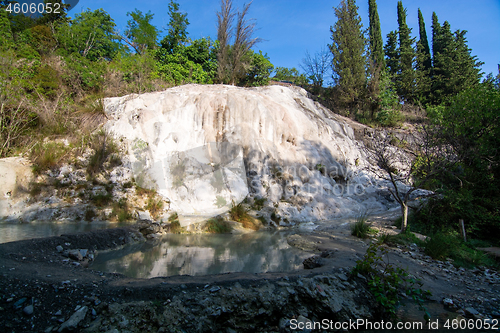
[{"x": 45, "y": 287}]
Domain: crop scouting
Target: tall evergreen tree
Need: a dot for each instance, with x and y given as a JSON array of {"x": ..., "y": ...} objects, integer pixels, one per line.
[
  {"x": 436, "y": 33},
  {"x": 376, "y": 44},
  {"x": 423, "y": 43},
  {"x": 177, "y": 28},
  {"x": 454, "y": 68},
  {"x": 392, "y": 53},
  {"x": 349, "y": 56},
  {"x": 424, "y": 64},
  {"x": 405, "y": 80}
]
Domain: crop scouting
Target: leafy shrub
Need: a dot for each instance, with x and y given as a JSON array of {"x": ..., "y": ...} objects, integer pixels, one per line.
[
  {"x": 89, "y": 214},
  {"x": 387, "y": 282},
  {"x": 47, "y": 81},
  {"x": 259, "y": 203},
  {"x": 121, "y": 210},
  {"x": 217, "y": 225},
  {"x": 101, "y": 199},
  {"x": 175, "y": 225},
  {"x": 450, "y": 245}
]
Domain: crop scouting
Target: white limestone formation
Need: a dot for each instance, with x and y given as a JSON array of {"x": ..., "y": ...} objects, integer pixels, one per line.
[{"x": 297, "y": 154}]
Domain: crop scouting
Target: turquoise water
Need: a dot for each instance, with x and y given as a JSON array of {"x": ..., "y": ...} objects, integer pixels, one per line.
[
  {"x": 10, "y": 232},
  {"x": 204, "y": 254}
]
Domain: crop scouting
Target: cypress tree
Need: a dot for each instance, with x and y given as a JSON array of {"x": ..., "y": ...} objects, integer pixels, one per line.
[
  {"x": 405, "y": 80},
  {"x": 392, "y": 53},
  {"x": 436, "y": 32},
  {"x": 454, "y": 68},
  {"x": 349, "y": 56},
  {"x": 424, "y": 64},
  {"x": 424, "y": 43},
  {"x": 376, "y": 44}
]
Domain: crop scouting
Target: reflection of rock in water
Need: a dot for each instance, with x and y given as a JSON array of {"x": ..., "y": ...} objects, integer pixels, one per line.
[{"x": 204, "y": 254}]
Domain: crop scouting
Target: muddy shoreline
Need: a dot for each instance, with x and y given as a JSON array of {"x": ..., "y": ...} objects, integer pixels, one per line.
[{"x": 42, "y": 290}]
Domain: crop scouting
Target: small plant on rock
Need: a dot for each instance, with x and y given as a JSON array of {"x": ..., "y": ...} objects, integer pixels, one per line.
[
  {"x": 217, "y": 225},
  {"x": 175, "y": 225},
  {"x": 362, "y": 228}
]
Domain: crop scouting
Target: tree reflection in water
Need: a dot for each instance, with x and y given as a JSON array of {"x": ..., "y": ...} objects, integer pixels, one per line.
[{"x": 204, "y": 254}]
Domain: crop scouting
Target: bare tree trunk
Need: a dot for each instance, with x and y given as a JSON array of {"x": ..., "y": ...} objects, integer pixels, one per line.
[{"x": 404, "y": 210}]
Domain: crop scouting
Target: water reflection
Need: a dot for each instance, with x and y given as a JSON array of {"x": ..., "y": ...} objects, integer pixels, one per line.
[
  {"x": 204, "y": 254},
  {"x": 10, "y": 232}
]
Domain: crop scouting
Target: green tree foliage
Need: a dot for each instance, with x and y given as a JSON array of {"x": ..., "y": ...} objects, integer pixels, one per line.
[
  {"x": 470, "y": 125},
  {"x": 405, "y": 79},
  {"x": 140, "y": 33},
  {"x": 376, "y": 44},
  {"x": 195, "y": 63},
  {"x": 177, "y": 28},
  {"x": 392, "y": 53},
  {"x": 55, "y": 17},
  {"x": 454, "y": 68},
  {"x": 91, "y": 35},
  {"x": 423, "y": 44},
  {"x": 259, "y": 71},
  {"x": 289, "y": 74},
  {"x": 349, "y": 56},
  {"x": 6, "y": 40},
  {"x": 135, "y": 72},
  {"x": 424, "y": 64},
  {"x": 389, "y": 113}
]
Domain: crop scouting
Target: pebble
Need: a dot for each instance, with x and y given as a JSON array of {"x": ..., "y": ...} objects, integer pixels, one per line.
[
  {"x": 28, "y": 310},
  {"x": 59, "y": 248}
]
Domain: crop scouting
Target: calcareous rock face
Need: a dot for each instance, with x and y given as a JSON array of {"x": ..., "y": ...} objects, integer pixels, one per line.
[{"x": 300, "y": 156}]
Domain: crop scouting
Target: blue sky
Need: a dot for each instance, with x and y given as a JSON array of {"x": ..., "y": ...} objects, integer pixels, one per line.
[{"x": 291, "y": 27}]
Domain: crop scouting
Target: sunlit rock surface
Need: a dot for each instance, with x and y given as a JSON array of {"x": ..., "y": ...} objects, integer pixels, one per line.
[
  {"x": 299, "y": 155},
  {"x": 15, "y": 178}
]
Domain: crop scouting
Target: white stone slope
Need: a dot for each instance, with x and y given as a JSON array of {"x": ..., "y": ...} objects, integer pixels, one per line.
[{"x": 297, "y": 154}]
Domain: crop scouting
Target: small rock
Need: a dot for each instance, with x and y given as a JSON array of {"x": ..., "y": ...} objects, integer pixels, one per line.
[
  {"x": 471, "y": 311},
  {"x": 58, "y": 313},
  {"x": 28, "y": 310},
  {"x": 20, "y": 302},
  {"x": 74, "y": 320},
  {"x": 83, "y": 252},
  {"x": 75, "y": 255},
  {"x": 448, "y": 302},
  {"x": 214, "y": 289},
  {"x": 94, "y": 312},
  {"x": 59, "y": 248},
  {"x": 313, "y": 262}
]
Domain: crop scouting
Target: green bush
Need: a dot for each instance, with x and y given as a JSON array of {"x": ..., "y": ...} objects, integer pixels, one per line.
[
  {"x": 47, "y": 81},
  {"x": 387, "y": 282},
  {"x": 217, "y": 225},
  {"x": 175, "y": 225},
  {"x": 450, "y": 245}
]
